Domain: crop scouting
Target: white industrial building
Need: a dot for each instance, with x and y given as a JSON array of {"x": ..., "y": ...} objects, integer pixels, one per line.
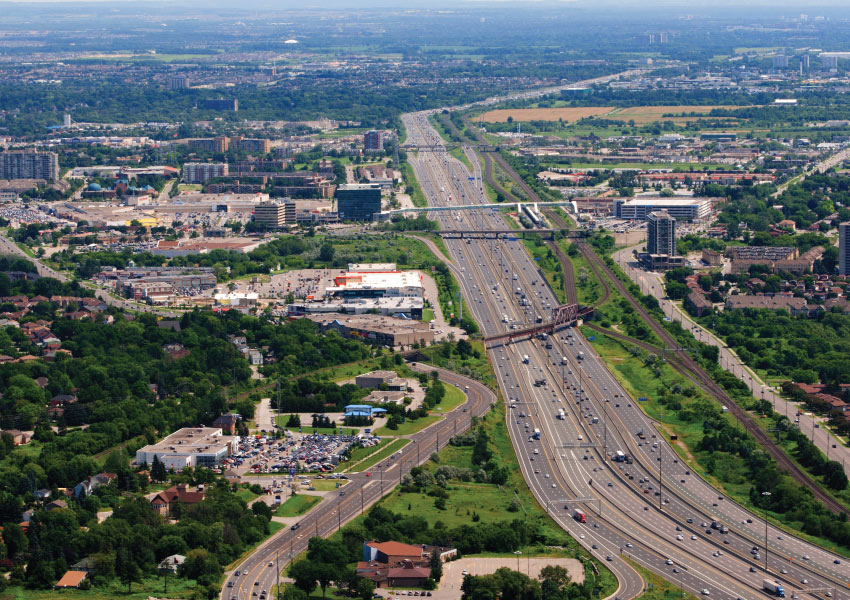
[
  {"x": 680, "y": 208},
  {"x": 190, "y": 447}
]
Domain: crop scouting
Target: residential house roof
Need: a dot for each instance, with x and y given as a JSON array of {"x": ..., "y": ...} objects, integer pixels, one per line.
[{"x": 71, "y": 579}]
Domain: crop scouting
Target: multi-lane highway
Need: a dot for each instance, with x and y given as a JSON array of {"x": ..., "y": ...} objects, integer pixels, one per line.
[
  {"x": 658, "y": 522},
  {"x": 259, "y": 571}
]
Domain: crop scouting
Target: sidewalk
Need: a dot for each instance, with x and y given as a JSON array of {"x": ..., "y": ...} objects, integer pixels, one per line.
[{"x": 812, "y": 426}]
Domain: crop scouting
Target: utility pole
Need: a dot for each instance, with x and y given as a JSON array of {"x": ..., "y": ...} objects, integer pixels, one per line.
[
  {"x": 361, "y": 501},
  {"x": 338, "y": 515},
  {"x": 277, "y": 573},
  {"x": 768, "y": 494}
]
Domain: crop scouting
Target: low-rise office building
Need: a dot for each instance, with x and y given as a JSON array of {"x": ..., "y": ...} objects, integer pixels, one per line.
[
  {"x": 190, "y": 447},
  {"x": 681, "y": 208}
]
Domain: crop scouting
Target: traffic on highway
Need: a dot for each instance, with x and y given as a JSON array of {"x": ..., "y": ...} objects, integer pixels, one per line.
[{"x": 570, "y": 419}]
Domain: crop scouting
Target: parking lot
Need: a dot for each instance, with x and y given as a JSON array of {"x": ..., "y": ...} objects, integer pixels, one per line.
[
  {"x": 294, "y": 453},
  {"x": 301, "y": 283}
]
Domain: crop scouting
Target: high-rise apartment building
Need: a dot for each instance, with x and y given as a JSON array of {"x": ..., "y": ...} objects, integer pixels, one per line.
[
  {"x": 661, "y": 229},
  {"x": 178, "y": 82},
  {"x": 373, "y": 141},
  {"x": 844, "y": 248},
  {"x": 358, "y": 201},
  {"x": 29, "y": 165},
  {"x": 203, "y": 172}
]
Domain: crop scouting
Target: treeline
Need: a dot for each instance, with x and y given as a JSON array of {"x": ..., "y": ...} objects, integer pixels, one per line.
[
  {"x": 128, "y": 388},
  {"x": 801, "y": 349},
  {"x": 130, "y": 544}
]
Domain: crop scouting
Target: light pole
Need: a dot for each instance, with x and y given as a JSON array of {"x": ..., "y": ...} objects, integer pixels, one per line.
[
  {"x": 517, "y": 553},
  {"x": 767, "y": 494}
]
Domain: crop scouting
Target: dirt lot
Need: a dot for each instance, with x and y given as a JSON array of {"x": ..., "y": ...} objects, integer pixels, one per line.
[
  {"x": 641, "y": 115},
  {"x": 568, "y": 114},
  {"x": 453, "y": 572}
]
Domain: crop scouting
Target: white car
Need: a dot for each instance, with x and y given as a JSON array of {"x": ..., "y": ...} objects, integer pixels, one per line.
[{"x": 704, "y": 592}]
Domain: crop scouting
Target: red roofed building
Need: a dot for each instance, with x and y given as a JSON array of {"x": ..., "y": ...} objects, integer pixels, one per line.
[
  {"x": 408, "y": 575},
  {"x": 165, "y": 501},
  {"x": 391, "y": 552},
  {"x": 71, "y": 579}
]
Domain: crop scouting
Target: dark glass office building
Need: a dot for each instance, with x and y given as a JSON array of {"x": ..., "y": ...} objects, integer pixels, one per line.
[{"x": 358, "y": 202}]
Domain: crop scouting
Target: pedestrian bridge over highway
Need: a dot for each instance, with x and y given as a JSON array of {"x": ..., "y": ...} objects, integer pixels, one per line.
[{"x": 570, "y": 205}]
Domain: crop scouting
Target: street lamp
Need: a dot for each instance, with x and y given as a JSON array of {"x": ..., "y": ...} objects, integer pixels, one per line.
[
  {"x": 766, "y": 494},
  {"x": 517, "y": 553}
]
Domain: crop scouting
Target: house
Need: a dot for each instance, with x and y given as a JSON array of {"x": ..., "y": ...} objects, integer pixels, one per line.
[
  {"x": 71, "y": 579},
  {"x": 227, "y": 422},
  {"x": 165, "y": 501},
  {"x": 172, "y": 563},
  {"x": 18, "y": 437},
  {"x": 42, "y": 382},
  {"x": 90, "y": 484},
  {"x": 42, "y": 494},
  {"x": 56, "y": 505},
  {"x": 697, "y": 304},
  {"x": 256, "y": 357}
]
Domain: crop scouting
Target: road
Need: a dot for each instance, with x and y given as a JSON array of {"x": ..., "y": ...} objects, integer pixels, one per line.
[
  {"x": 811, "y": 425},
  {"x": 820, "y": 167},
  {"x": 8, "y": 246},
  {"x": 259, "y": 572},
  {"x": 633, "y": 518}
]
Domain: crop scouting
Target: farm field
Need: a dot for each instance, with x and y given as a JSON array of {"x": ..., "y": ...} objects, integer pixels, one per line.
[
  {"x": 568, "y": 114},
  {"x": 641, "y": 115}
]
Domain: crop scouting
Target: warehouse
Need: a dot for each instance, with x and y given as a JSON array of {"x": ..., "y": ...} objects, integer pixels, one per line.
[{"x": 190, "y": 447}]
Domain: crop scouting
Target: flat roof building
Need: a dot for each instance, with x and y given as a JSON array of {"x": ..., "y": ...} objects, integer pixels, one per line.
[
  {"x": 275, "y": 214},
  {"x": 190, "y": 447},
  {"x": 358, "y": 201},
  {"x": 684, "y": 208},
  {"x": 377, "y": 284},
  {"x": 203, "y": 172},
  {"x": 376, "y": 329}
]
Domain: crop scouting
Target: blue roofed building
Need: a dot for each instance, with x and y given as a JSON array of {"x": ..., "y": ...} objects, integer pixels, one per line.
[{"x": 363, "y": 410}]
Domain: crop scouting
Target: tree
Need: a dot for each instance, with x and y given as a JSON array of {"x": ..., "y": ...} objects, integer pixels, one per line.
[
  {"x": 436, "y": 565},
  {"x": 304, "y": 576},
  {"x": 126, "y": 568},
  {"x": 158, "y": 470},
  {"x": 326, "y": 253},
  {"x": 365, "y": 588}
]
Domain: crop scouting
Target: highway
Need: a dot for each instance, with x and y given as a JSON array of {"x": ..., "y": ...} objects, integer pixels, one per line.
[
  {"x": 640, "y": 515},
  {"x": 259, "y": 571}
]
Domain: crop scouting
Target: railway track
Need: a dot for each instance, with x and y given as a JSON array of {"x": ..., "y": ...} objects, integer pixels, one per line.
[
  {"x": 697, "y": 373},
  {"x": 694, "y": 370}
]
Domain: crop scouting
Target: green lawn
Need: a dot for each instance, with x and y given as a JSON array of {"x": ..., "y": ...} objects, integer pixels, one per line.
[
  {"x": 427, "y": 315},
  {"x": 297, "y": 505},
  {"x": 247, "y": 495},
  {"x": 458, "y": 154},
  {"x": 658, "y": 588},
  {"x": 327, "y": 485},
  {"x": 417, "y": 196},
  {"x": 409, "y": 426},
  {"x": 454, "y": 397},
  {"x": 149, "y": 586},
  {"x": 386, "y": 451}
]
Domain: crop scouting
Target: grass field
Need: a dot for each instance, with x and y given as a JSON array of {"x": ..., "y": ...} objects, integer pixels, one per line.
[
  {"x": 297, "y": 505},
  {"x": 642, "y": 115},
  {"x": 385, "y": 451},
  {"x": 409, "y": 426},
  {"x": 417, "y": 196},
  {"x": 149, "y": 586},
  {"x": 658, "y": 588}
]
